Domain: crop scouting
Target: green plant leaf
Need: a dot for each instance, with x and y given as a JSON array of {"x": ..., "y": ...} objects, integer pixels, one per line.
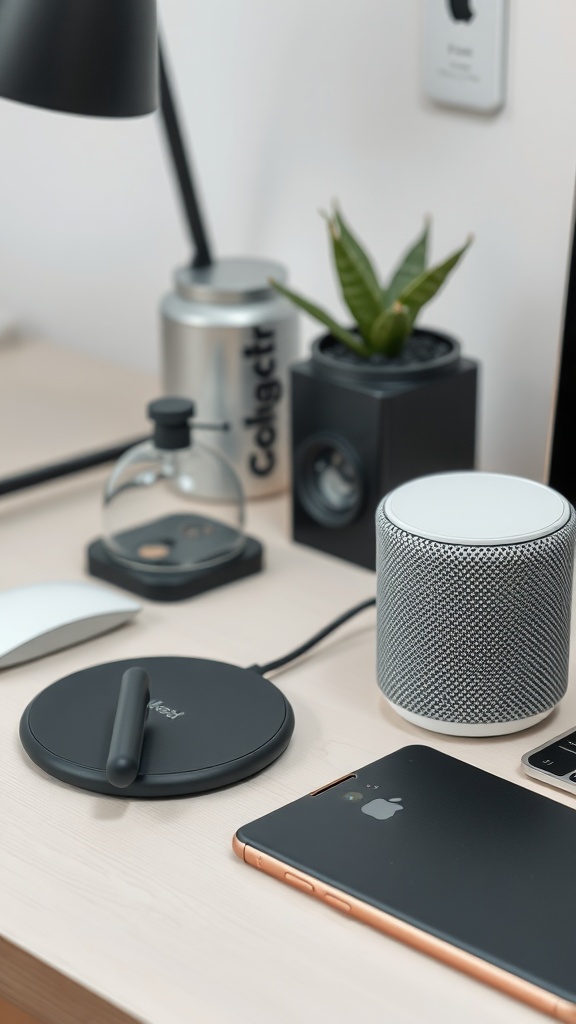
[
  {"x": 359, "y": 254},
  {"x": 412, "y": 264},
  {"x": 391, "y": 330},
  {"x": 360, "y": 288},
  {"x": 424, "y": 287},
  {"x": 346, "y": 337}
]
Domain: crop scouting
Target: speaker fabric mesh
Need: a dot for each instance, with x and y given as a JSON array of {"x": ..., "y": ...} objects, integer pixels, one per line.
[{"x": 473, "y": 634}]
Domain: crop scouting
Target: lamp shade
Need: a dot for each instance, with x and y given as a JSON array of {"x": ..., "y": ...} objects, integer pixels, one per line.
[{"x": 95, "y": 57}]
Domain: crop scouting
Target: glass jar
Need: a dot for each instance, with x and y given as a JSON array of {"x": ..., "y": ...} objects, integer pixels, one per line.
[{"x": 172, "y": 504}]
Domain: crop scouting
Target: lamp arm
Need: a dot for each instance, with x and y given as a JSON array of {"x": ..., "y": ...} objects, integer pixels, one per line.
[{"x": 203, "y": 257}]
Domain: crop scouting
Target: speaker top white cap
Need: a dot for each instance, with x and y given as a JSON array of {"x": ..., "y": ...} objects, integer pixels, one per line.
[{"x": 476, "y": 508}]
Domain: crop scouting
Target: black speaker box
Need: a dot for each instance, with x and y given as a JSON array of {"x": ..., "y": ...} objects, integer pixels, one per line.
[{"x": 352, "y": 442}]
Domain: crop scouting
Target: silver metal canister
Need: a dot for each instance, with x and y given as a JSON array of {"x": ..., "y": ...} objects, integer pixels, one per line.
[{"x": 228, "y": 340}]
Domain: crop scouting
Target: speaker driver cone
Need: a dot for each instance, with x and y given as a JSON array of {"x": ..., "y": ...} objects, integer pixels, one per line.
[{"x": 329, "y": 480}]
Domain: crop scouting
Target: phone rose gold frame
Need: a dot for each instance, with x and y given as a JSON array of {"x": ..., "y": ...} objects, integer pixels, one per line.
[{"x": 525, "y": 991}]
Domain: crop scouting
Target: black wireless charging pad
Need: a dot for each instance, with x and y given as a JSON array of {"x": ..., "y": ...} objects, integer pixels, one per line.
[{"x": 206, "y": 724}]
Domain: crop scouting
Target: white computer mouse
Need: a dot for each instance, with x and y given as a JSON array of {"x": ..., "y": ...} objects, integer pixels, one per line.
[{"x": 44, "y": 617}]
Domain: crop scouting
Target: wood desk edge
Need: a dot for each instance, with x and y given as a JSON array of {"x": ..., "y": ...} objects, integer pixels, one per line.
[{"x": 47, "y": 996}]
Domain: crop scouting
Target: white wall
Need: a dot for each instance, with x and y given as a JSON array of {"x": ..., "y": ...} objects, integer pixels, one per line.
[{"x": 290, "y": 103}]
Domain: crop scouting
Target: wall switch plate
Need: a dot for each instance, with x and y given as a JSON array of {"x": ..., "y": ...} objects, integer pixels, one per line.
[{"x": 464, "y": 48}]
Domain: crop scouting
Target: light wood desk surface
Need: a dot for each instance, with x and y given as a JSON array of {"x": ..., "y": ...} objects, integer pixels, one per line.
[{"x": 143, "y": 904}]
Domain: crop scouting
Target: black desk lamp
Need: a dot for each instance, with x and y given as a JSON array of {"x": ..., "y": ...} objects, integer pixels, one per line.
[
  {"x": 101, "y": 58},
  {"x": 95, "y": 57}
]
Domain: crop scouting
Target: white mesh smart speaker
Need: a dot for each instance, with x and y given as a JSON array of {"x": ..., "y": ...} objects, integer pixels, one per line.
[{"x": 474, "y": 593}]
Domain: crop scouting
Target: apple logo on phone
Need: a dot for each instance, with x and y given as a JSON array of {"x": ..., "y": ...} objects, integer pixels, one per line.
[
  {"x": 461, "y": 10},
  {"x": 383, "y": 809}
]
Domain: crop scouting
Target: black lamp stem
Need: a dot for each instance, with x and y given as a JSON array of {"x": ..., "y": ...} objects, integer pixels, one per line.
[{"x": 203, "y": 256}]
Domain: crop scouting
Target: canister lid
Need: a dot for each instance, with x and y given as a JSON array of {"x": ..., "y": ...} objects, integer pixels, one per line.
[
  {"x": 229, "y": 281},
  {"x": 476, "y": 508}
]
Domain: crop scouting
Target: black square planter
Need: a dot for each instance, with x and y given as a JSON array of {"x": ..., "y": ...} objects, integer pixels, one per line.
[{"x": 354, "y": 440}]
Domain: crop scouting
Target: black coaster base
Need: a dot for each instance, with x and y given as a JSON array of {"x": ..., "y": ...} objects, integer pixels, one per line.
[
  {"x": 209, "y": 724},
  {"x": 161, "y": 587}
]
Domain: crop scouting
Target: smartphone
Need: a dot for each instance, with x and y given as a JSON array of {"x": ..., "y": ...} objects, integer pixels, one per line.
[{"x": 463, "y": 865}]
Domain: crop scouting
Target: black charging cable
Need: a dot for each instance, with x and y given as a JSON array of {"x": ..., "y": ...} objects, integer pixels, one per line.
[
  {"x": 271, "y": 665},
  {"x": 55, "y": 470}
]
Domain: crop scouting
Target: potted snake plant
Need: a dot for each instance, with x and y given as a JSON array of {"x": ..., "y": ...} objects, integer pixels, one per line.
[{"x": 378, "y": 402}]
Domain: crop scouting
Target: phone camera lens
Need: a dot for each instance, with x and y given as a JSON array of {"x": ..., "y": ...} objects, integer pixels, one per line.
[{"x": 352, "y": 797}]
